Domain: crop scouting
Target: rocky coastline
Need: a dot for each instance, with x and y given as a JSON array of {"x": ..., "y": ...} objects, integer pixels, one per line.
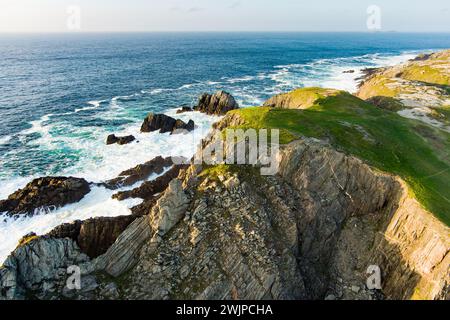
[{"x": 226, "y": 232}]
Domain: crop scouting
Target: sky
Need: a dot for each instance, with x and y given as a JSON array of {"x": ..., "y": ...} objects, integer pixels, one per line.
[{"x": 224, "y": 15}]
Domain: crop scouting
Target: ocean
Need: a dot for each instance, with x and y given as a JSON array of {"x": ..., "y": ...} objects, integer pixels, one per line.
[{"x": 62, "y": 94}]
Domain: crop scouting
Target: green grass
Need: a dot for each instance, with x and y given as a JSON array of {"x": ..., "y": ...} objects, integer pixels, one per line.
[
  {"x": 416, "y": 152},
  {"x": 426, "y": 74}
]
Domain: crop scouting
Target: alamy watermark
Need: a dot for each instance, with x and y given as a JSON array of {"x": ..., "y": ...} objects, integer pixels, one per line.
[
  {"x": 241, "y": 147},
  {"x": 73, "y": 22},
  {"x": 374, "y": 18},
  {"x": 74, "y": 280},
  {"x": 373, "y": 281}
]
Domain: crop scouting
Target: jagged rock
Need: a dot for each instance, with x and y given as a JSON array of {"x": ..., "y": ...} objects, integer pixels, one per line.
[
  {"x": 163, "y": 123},
  {"x": 140, "y": 172},
  {"x": 149, "y": 188},
  {"x": 217, "y": 104},
  {"x": 124, "y": 253},
  {"x": 66, "y": 230},
  {"x": 43, "y": 193},
  {"x": 170, "y": 208},
  {"x": 37, "y": 267},
  {"x": 349, "y": 71},
  {"x": 98, "y": 234},
  {"x": 112, "y": 138},
  {"x": 308, "y": 232},
  {"x": 94, "y": 236},
  {"x": 184, "y": 109}
]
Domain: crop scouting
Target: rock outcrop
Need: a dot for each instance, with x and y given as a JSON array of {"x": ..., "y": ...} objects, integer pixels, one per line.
[
  {"x": 302, "y": 98},
  {"x": 140, "y": 172},
  {"x": 93, "y": 236},
  {"x": 415, "y": 90},
  {"x": 217, "y": 104},
  {"x": 309, "y": 232},
  {"x": 39, "y": 268},
  {"x": 169, "y": 209},
  {"x": 43, "y": 193},
  {"x": 313, "y": 230},
  {"x": 112, "y": 139},
  {"x": 163, "y": 123}
]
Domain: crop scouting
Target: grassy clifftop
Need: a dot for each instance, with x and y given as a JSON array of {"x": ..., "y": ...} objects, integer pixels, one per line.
[
  {"x": 418, "y": 153},
  {"x": 418, "y": 89}
]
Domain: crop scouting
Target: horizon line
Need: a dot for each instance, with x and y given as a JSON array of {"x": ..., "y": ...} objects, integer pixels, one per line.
[{"x": 216, "y": 31}]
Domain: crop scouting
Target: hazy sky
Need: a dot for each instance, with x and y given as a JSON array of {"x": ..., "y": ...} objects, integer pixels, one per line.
[{"x": 221, "y": 15}]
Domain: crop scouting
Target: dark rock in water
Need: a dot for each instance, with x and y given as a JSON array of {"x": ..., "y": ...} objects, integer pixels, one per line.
[
  {"x": 184, "y": 109},
  {"x": 163, "y": 123},
  {"x": 349, "y": 71},
  {"x": 111, "y": 139},
  {"x": 149, "y": 188},
  {"x": 44, "y": 193},
  {"x": 181, "y": 126},
  {"x": 217, "y": 104},
  {"x": 140, "y": 172}
]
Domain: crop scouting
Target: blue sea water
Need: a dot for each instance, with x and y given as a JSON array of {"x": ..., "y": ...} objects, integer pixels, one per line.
[{"x": 61, "y": 95}]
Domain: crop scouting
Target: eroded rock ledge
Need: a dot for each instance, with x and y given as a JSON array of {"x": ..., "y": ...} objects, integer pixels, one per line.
[{"x": 44, "y": 193}]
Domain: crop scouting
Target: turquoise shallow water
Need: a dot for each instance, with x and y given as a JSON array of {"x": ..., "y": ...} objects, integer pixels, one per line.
[{"x": 62, "y": 92}]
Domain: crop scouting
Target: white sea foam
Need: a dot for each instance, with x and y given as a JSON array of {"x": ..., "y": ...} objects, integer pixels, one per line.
[
  {"x": 98, "y": 203},
  {"x": 5, "y": 139},
  {"x": 329, "y": 73},
  {"x": 92, "y": 106},
  {"x": 100, "y": 162}
]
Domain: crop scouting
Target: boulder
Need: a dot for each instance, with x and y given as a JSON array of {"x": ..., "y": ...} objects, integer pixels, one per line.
[
  {"x": 163, "y": 123},
  {"x": 112, "y": 139},
  {"x": 44, "y": 193},
  {"x": 217, "y": 104},
  {"x": 349, "y": 71}
]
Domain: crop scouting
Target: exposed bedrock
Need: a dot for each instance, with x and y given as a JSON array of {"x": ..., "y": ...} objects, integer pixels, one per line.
[
  {"x": 44, "y": 193},
  {"x": 309, "y": 232},
  {"x": 218, "y": 103},
  {"x": 94, "y": 236}
]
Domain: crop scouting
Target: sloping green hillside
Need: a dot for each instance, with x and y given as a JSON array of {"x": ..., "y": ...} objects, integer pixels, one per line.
[{"x": 418, "y": 153}]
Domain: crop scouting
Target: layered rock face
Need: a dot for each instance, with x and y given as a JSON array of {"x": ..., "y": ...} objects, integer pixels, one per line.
[
  {"x": 217, "y": 104},
  {"x": 39, "y": 268},
  {"x": 309, "y": 232},
  {"x": 163, "y": 123},
  {"x": 44, "y": 193}
]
